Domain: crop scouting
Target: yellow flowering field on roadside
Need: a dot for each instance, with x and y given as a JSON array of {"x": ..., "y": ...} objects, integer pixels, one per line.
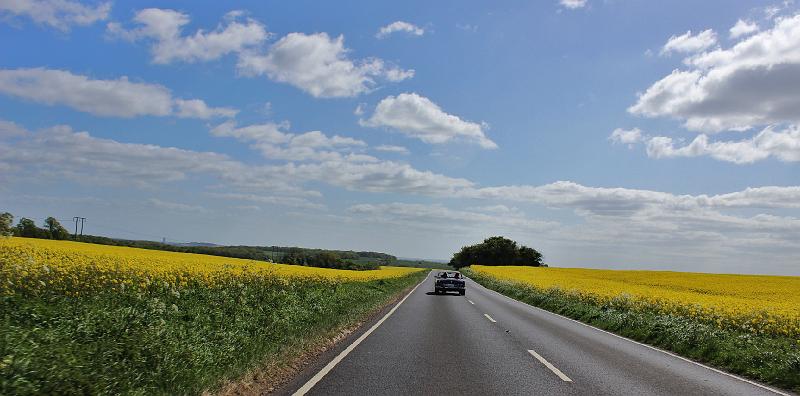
[
  {"x": 754, "y": 303},
  {"x": 74, "y": 267}
]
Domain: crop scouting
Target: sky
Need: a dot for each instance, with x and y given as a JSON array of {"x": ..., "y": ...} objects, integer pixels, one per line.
[{"x": 616, "y": 134}]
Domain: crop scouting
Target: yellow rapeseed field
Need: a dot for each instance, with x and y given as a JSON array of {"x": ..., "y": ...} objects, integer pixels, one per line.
[
  {"x": 754, "y": 303},
  {"x": 73, "y": 267}
]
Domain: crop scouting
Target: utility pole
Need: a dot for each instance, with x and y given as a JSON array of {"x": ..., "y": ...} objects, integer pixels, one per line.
[{"x": 76, "y": 219}]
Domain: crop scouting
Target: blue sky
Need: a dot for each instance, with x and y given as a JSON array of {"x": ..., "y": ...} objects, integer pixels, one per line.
[{"x": 608, "y": 134}]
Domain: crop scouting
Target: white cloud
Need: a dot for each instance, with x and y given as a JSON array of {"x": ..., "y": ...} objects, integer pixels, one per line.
[
  {"x": 110, "y": 98},
  {"x": 419, "y": 117},
  {"x": 61, "y": 152},
  {"x": 9, "y": 129},
  {"x": 392, "y": 149},
  {"x": 781, "y": 144},
  {"x": 687, "y": 43},
  {"x": 164, "y": 28},
  {"x": 297, "y": 202},
  {"x": 742, "y": 28},
  {"x": 625, "y": 202},
  {"x": 749, "y": 84},
  {"x": 175, "y": 206},
  {"x": 573, "y": 4},
  {"x": 196, "y": 108},
  {"x": 440, "y": 217},
  {"x": 319, "y": 65},
  {"x": 359, "y": 110},
  {"x": 626, "y": 136},
  {"x": 275, "y": 143},
  {"x": 400, "y": 26},
  {"x": 59, "y": 14}
]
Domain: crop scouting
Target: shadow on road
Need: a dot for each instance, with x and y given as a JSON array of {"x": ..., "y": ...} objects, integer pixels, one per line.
[{"x": 455, "y": 294}]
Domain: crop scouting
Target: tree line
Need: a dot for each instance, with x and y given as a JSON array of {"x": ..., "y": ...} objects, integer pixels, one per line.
[
  {"x": 339, "y": 259},
  {"x": 27, "y": 228}
]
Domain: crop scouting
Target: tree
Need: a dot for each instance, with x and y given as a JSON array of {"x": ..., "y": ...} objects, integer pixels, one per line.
[
  {"x": 6, "y": 222},
  {"x": 56, "y": 230},
  {"x": 497, "y": 251},
  {"x": 27, "y": 228}
]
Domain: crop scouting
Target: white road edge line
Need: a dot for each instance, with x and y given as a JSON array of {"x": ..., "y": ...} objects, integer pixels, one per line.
[
  {"x": 718, "y": 371},
  {"x": 490, "y": 318},
  {"x": 550, "y": 366},
  {"x": 325, "y": 370},
  {"x": 470, "y": 301}
]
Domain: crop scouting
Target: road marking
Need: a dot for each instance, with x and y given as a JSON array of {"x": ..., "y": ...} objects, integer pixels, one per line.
[
  {"x": 550, "y": 366},
  {"x": 734, "y": 376},
  {"x": 470, "y": 301},
  {"x": 325, "y": 370},
  {"x": 490, "y": 318}
]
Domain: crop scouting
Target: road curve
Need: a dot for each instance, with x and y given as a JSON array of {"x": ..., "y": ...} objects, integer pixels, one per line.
[{"x": 487, "y": 344}]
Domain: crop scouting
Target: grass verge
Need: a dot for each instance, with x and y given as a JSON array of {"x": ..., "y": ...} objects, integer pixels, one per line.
[
  {"x": 769, "y": 359},
  {"x": 161, "y": 341}
]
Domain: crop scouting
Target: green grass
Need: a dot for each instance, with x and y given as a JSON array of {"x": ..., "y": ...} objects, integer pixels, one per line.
[
  {"x": 773, "y": 360},
  {"x": 163, "y": 342}
]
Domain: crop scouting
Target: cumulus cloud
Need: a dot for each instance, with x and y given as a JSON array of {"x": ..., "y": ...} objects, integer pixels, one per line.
[
  {"x": 164, "y": 30},
  {"x": 688, "y": 43},
  {"x": 58, "y": 14},
  {"x": 573, "y": 4},
  {"x": 783, "y": 145},
  {"x": 392, "y": 149},
  {"x": 9, "y": 129},
  {"x": 399, "y": 26},
  {"x": 109, "y": 98},
  {"x": 742, "y": 28},
  {"x": 319, "y": 65},
  {"x": 749, "y": 84},
  {"x": 626, "y": 136},
  {"x": 196, "y": 108},
  {"x": 274, "y": 142},
  {"x": 418, "y": 117}
]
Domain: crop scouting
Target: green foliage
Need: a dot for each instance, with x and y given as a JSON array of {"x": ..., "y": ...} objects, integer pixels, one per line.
[
  {"x": 774, "y": 360},
  {"x": 27, "y": 228},
  {"x": 496, "y": 251},
  {"x": 165, "y": 341},
  {"x": 56, "y": 230},
  {"x": 6, "y": 221}
]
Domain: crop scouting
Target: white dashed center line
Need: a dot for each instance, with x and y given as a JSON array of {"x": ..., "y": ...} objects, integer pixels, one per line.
[
  {"x": 490, "y": 318},
  {"x": 550, "y": 366}
]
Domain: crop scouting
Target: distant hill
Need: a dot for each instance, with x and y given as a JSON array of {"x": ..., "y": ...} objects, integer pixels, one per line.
[{"x": 191, "y": 244}]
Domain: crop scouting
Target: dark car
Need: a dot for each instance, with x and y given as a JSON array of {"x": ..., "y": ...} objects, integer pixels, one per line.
[{"x": 449, "y": 281}]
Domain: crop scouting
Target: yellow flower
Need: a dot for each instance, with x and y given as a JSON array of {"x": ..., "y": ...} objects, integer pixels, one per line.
[
  {"x": 763, "y": 304},
  {"x": 31, "y": 264}
]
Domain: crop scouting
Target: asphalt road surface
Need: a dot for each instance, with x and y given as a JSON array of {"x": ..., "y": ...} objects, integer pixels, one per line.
[{"x": 487, "y": 344}]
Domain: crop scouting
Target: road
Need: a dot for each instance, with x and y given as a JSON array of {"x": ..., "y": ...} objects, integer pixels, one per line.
[{"x": 487, "y": 344}]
